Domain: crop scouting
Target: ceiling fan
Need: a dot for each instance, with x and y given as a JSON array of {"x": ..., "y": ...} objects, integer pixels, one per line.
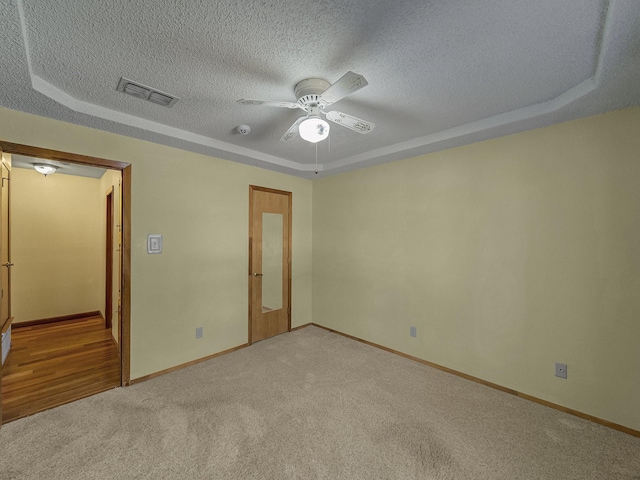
[{"x": 313, "y": 96}]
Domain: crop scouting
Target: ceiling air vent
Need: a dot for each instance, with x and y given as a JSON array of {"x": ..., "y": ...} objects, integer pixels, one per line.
[{"x": 146, "y": 93}]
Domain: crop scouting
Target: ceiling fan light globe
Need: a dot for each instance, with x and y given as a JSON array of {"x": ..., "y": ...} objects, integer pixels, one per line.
[{"x": 313, "y": 129}]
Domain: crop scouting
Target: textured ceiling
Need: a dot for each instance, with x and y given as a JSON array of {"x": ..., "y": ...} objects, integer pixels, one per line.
[{"x": 441, "y": 73}]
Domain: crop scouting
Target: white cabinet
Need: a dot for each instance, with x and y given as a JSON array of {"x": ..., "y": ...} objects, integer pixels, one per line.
[{"x": 6, "y": 344}]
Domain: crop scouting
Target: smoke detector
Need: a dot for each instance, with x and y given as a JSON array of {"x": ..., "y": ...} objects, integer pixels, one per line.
[{"x": 244, "y": 129}]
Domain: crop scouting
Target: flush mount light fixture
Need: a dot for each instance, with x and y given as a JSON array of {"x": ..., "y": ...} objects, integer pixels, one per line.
[
  {"x": 314, "y": 129},
  {"x": 45, "y": 169}
]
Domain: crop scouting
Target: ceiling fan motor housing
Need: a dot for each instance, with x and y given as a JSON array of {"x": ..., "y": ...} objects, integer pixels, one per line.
[{"x": 308, "y": 91}]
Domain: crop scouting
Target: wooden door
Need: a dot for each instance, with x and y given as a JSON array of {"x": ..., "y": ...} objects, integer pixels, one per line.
[
  {"x": 269, "y": 262},
  {"x": 108, "y": 294},
  {"x": 5, "y": 262}
]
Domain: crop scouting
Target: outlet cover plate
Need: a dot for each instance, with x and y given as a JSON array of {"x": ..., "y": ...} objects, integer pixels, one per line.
[
  {"x": 561, "y": 370},
  {"x": 199, "y": 332},
  {"x": 413, "y": 332}
]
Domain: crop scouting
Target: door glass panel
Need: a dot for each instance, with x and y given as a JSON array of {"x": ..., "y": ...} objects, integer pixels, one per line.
[{"x": 271, "y": 261}]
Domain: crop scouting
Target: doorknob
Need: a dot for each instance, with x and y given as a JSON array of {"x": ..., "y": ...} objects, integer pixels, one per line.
[
  {"x": 8, "y": 264},
  {"x": 257, "y": 274}
]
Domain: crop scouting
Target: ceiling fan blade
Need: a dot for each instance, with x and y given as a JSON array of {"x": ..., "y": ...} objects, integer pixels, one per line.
[
  {"x": 346, "y": 85},
  {"x": 268, "y": 103},
  {"x": 293, "y": 130},
  {"x": 351, "y": 122}
]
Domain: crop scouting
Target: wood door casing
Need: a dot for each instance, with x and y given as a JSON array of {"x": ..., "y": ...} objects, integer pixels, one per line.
[{"x": 267, "y": 323}]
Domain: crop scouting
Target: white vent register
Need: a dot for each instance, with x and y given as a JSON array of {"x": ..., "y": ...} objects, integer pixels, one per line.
[{"x": 145, "y": 93}]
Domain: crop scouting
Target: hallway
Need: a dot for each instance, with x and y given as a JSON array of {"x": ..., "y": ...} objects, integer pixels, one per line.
[{"x": 57, "y": 363}]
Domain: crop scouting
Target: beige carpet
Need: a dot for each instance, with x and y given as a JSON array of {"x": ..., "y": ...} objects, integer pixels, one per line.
[{"x": 311, "y": 404}]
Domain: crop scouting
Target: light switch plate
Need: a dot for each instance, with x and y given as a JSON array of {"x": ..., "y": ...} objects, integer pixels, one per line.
[{"x": 154, "y": 243}]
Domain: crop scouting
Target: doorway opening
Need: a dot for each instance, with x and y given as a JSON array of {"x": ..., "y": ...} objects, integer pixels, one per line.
[{"x": 116, "y": 224}]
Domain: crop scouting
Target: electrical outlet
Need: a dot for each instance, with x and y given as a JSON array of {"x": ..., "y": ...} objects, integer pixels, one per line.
[
  {"x": 199, "y": 332},
  {"x": 561, "y": 370},
  {"x": 413, "y": 332}
]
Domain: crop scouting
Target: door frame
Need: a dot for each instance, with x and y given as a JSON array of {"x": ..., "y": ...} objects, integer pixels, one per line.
[
  {"x": 253, "y": 188},
  {"x": 125, "y": 205}
]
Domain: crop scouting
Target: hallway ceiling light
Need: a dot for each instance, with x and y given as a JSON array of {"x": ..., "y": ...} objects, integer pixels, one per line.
[{"x": 45, "y": 169}]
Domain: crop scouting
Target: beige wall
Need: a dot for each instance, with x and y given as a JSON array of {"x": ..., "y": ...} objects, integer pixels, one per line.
[
  {"x": 200, "y": 204},
  {"x": 507, "y": 255},
  {"x": 55, "y": 245}
]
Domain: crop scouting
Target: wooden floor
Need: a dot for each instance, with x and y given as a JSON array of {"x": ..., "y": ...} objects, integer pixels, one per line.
[{"x": 57, "y": 363}]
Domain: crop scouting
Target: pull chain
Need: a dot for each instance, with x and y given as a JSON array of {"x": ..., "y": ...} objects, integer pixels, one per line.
[{"x": 316, "y": 158}]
